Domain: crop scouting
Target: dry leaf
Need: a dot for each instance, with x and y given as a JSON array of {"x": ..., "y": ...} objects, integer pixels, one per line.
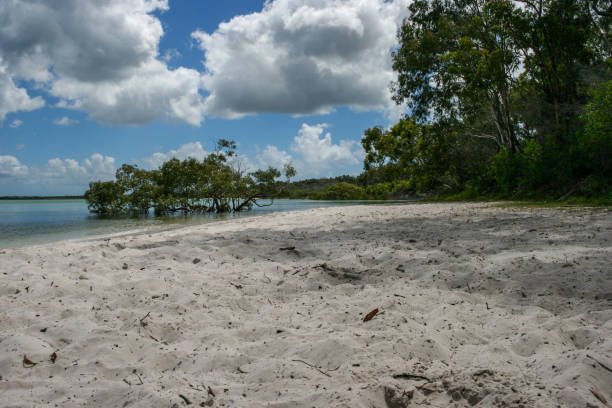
[
  {"x": 370, "y": 315},
  {"x": 53, "y": 357},
  {"x": 27, "y": 362}
]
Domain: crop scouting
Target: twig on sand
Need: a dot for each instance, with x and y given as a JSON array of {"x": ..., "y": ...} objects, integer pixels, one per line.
[
  {"x": 600, "y": 398},
  {"x": 406, "y": 376},
  {"x": 600, "y": 363},
  {"x": 185, "y": 399},
  {"x": 315, "y": 367},
  {"x": 142, "y": 323}
]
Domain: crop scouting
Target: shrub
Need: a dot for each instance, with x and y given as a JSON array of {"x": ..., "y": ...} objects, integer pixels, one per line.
[{"x": 341, "y": 191}]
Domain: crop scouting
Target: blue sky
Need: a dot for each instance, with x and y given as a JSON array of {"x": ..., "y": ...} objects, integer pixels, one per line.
[{"x": 87, "y": 85}]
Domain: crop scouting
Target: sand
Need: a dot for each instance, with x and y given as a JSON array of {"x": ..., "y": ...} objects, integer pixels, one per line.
[{"x": 477, "y": 306}]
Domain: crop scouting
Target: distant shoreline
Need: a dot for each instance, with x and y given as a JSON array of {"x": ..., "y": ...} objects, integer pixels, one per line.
[{"x": 41, "y": 197}]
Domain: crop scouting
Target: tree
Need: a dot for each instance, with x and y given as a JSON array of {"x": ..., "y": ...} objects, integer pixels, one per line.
[
  {"x": 429, "y": 157},
  {"x": 105, "y": 197},
  {"x": 289, "y": 171},
  {"x": 506, "y": 71},
  {"x": 137, "y": 185},
  {"x": 210, "y": 185},
  {"x": 596, "y": 140},
  {"x": 457, "y": 62}
]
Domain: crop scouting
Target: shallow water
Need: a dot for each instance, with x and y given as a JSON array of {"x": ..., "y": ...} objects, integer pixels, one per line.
[{"x": 27, "y": 222}]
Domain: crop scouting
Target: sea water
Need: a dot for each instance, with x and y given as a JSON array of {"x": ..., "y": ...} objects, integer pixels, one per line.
[{"x": 27, "y": 222}]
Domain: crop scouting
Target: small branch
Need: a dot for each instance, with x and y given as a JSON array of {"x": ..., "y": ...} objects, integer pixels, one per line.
[
  {"x": 315, "y": 367},
  {"x": 142, "y": 323},
  {"x": 600, "y": 363},
  {"x": 185, "y": 399},
  {"x": 405, "y": 376}
]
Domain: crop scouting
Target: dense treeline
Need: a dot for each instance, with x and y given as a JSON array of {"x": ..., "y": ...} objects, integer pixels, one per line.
[
  {"x": 68, "y": 197},
  {"x": 507, "y": 98},
  {"x": 346, "y": 188},
  {"x": 211, "y": 185}
]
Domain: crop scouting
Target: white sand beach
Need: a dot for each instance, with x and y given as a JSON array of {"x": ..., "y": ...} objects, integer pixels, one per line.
[{"x": 477, "y": 306}]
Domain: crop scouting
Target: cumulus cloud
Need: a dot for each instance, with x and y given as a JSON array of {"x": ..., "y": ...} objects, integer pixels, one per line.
[
  {"x": 12, "y": 98},
  {"x": 302, "y": 57},
  {"x": 102, "y": 57},
  {"x": 65, "y": 121},
  {"x": 16, "y": 123},
  {"x": 188, "y": 150},
  {"x": 272, "y": 156},
  {"x": 314, "y": 153},
  {"x": 319, "y": 151},
  {"x": 97, "y": 56},
  {"x": 67, "y": 171},
  {"x": 12, "y": 168},
  {"x": 59, "y": 172}
]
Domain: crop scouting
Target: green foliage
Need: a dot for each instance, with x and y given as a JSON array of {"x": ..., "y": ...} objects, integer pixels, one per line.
[
  {"x": 432, "y": 157},
  {"x": 379, "y": 191},
  {"x": 341, "y": 191},
  {"x": 289, "y": 171},
  {"x": 595, "y": 142},
  {"x": 500, "y": 99},
  {"x": 308, "y": 187},
  {"x": 396, "y": 190},
  {"x": 105, "y": 197},
  {"x": 210, "y": 185}
]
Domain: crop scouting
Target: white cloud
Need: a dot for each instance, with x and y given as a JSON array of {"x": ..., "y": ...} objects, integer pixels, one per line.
[
  {"x": 58, "y": 172},
  {"x": 70, "y": 171},
  {"x": 302, "y": 57},
  {"x": 171, "y": 54},
  {"x": 12, "y": 98},
  {"x": 193, "y": 150},
  {"x": 272, "y": 156},
  {"x": 11, "y": 168},
  {"x": 314, "y": 153},
  {"x": 20, "y": 146},
  {"x": 102, "y": 57},
  {"x": 65, "y": 121},
  {"x": 16, "y": 123},
  {"x": 320, "y": 151},
  {"x": 97, "y": 56}
]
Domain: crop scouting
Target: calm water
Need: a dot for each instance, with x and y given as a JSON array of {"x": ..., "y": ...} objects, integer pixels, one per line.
[{"x": 25, "y": 222}]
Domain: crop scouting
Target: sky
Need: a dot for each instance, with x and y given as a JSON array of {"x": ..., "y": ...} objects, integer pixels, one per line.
[{"x": 87, "y": 85}]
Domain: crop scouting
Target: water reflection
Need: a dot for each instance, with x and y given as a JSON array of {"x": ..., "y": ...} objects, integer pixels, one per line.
[{"x": 24, "y": 222}]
